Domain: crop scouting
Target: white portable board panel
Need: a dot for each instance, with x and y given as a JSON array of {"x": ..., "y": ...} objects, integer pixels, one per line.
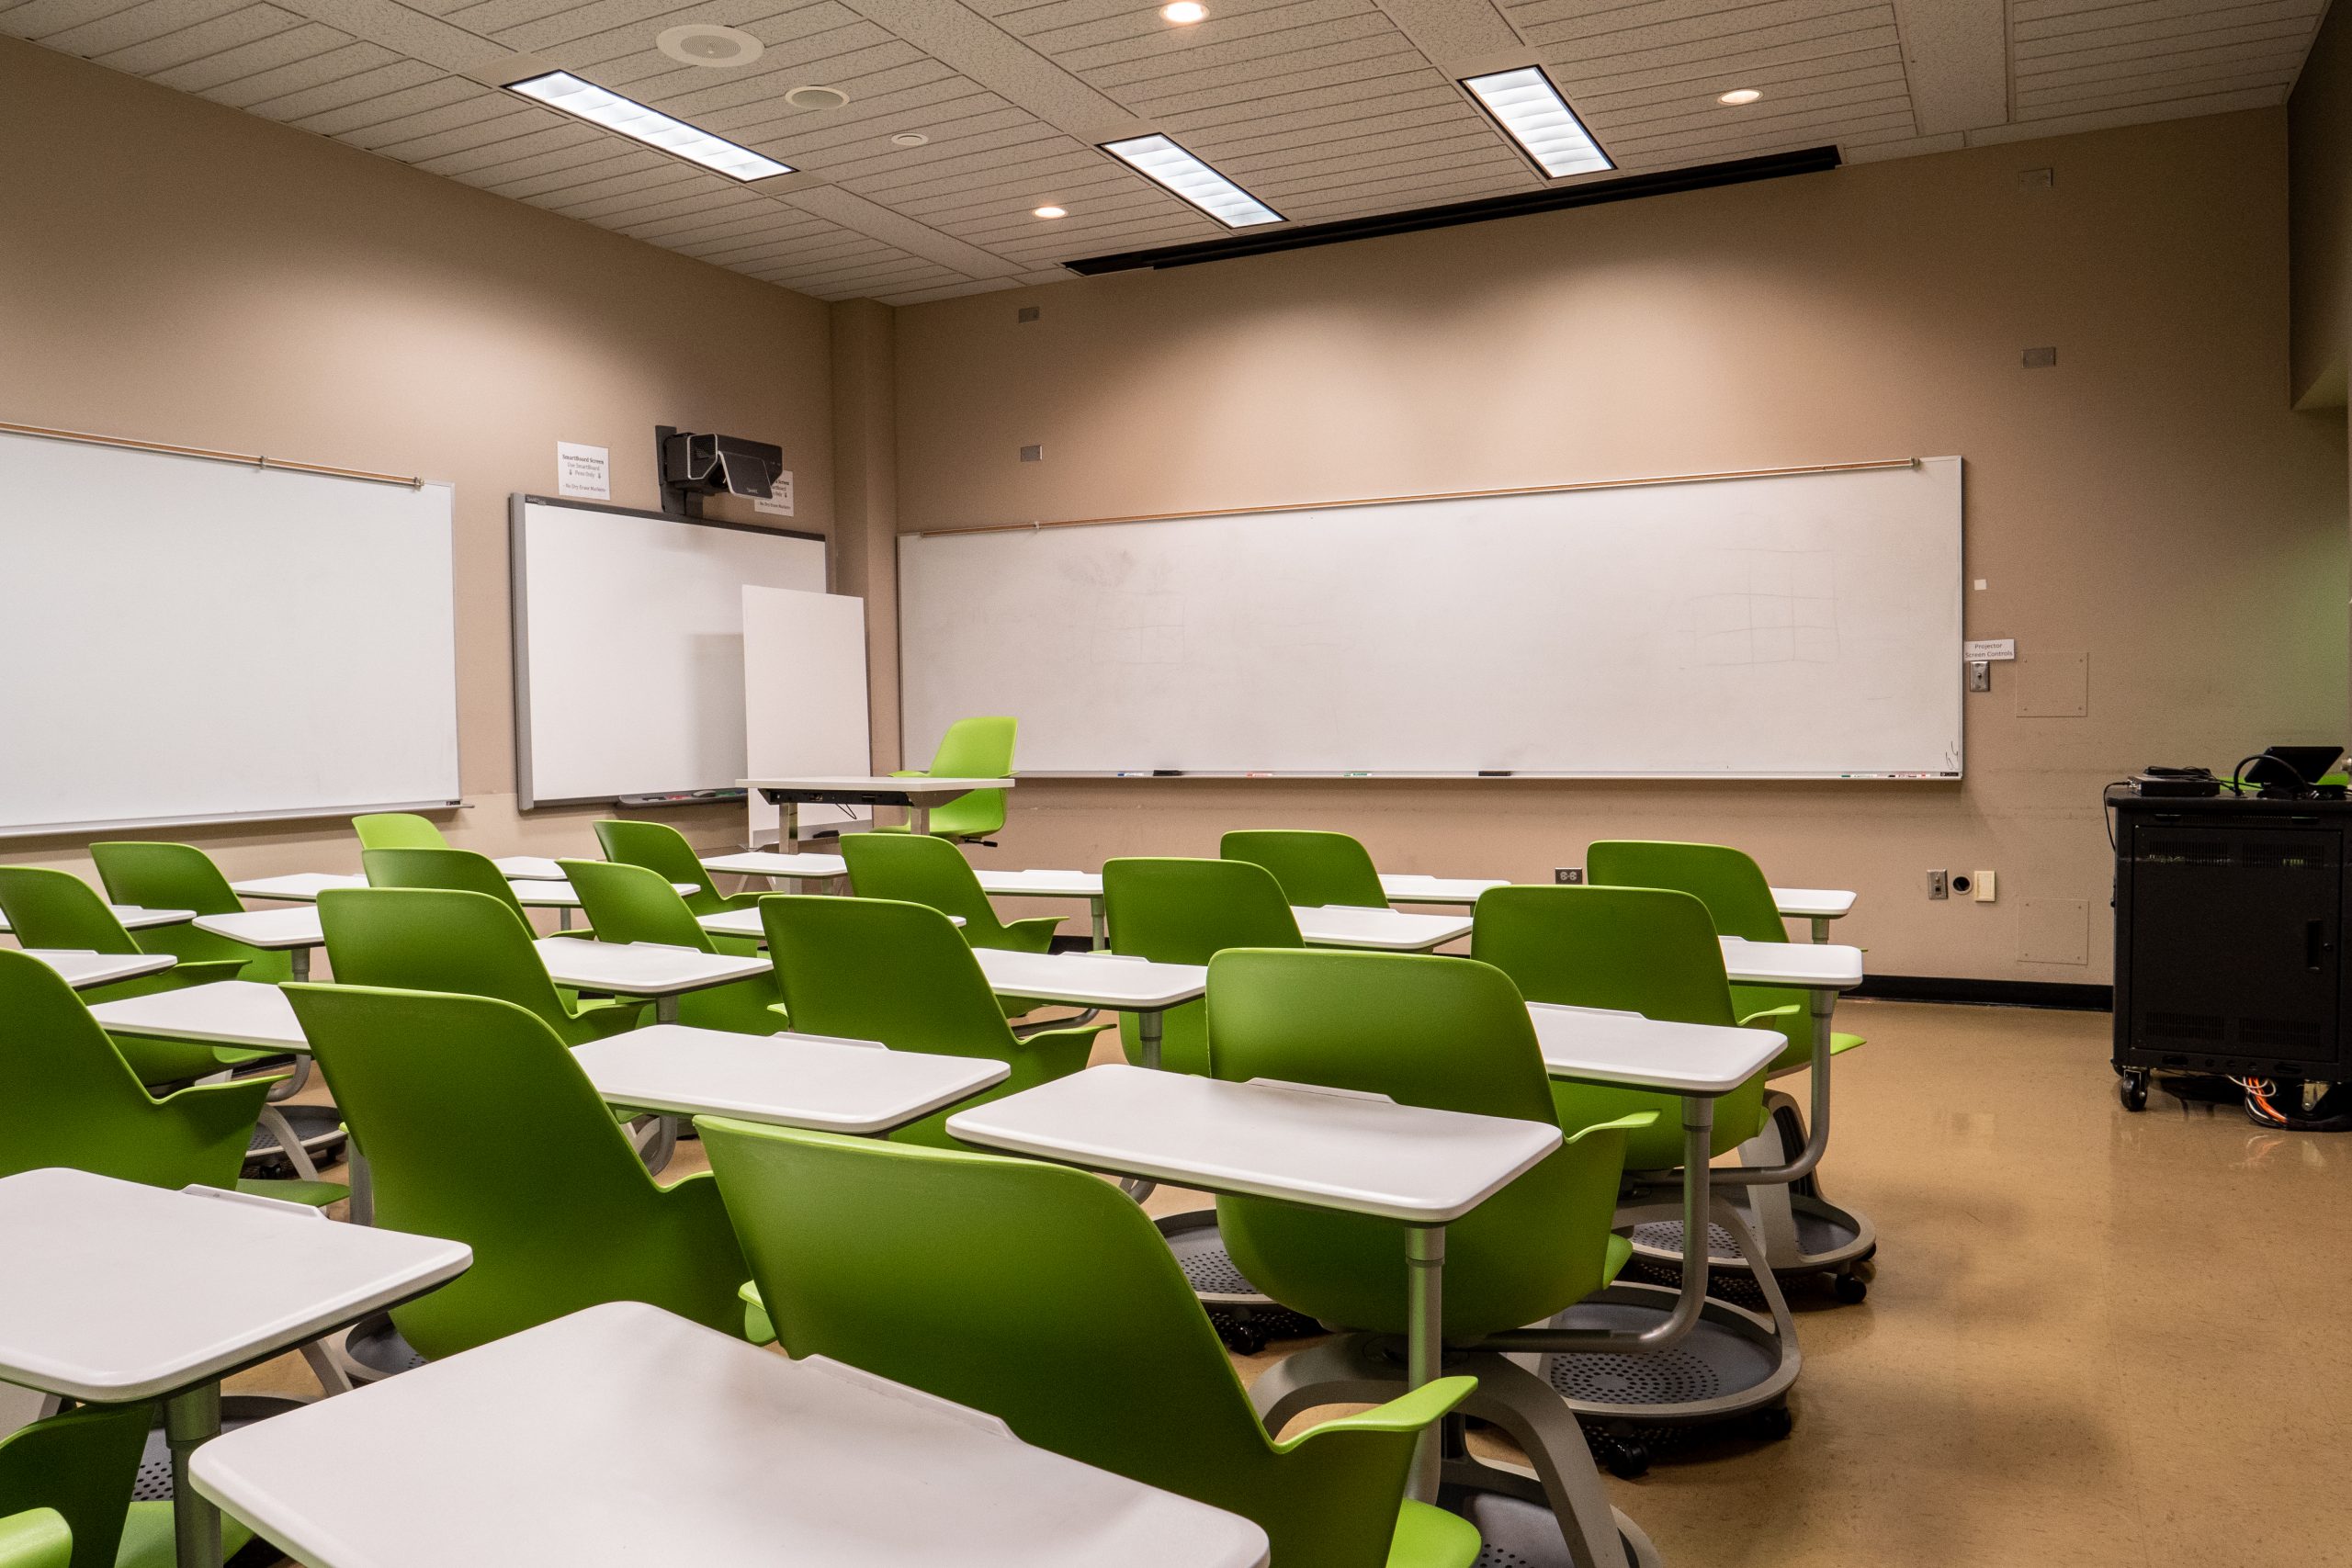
[
  {"x": 187, "y": 639},
  {"x": 629, "y": 646},
  {"x": 804, "y": 700},
  {"x": 1798, "y": 626}
]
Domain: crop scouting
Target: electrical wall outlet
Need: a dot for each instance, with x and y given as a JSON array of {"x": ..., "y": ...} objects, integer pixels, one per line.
[
  {"x": 1938, "y": 884},
  {"x": 1571, "y": 875},
  {"x": 1985, "y": 887}
]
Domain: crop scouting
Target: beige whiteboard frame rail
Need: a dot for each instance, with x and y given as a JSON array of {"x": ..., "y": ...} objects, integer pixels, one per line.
[
  {"x": 1434, "y": 495},
  {"x": 243, "y": 460}
]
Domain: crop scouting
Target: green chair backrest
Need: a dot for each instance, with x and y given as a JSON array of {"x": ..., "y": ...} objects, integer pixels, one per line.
[
  {"x": 973, "y": 749},
  {"x": 629, "y": 903},
  {"x": 397, "y": 830},
  {"x": 439, "y": 938},
  {"x": 658, "y": 847},
  {"x": 432, "y": 1087},
  {"x": 1644, "y": 950},
  {"x": 1187, "y": 911},
  {"x": 1314, "y": 868},
  {"x": 163, "y": 877},
  {"x": 181, "y": 877},
  {"x": 83, "y": 1464},
  {"x": 879, "y": 969},
  {"x": 461, "y": 870},
  {"x": 47, "y": 907},
  {"x": 1732, "y": 885},
  {"x": 1041, "y": 1295},
  {"x": 926, "y": 870},
  {"x": 1725, "y": 880},
  {"x": 68, "y": 1098},
  {"x": 1448, "y": 1032}
]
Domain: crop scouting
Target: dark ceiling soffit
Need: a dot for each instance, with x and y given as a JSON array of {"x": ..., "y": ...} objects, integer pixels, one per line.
[{"x": 1703, "y": 176}]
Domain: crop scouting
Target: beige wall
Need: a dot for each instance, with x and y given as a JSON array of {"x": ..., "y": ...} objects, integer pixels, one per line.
[
  {"x": 2151, "y": 502},
  {"x": 178, "y": 271},
  {"x": 2319, "y": 136}
]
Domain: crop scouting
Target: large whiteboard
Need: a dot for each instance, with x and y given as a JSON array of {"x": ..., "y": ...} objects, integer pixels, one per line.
[
  {"x": 1793, "y": 626},
  {"x": 629, "y": 646},
  {"x": 184, "y": 639}
]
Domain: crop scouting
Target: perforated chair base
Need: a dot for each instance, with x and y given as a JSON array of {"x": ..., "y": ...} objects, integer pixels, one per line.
[
  {"x": 374, "y": 1351},
  {"x": 1244, "y": 1316},
  {"x": 1830, "y": 1240},
  {"x": 1731, "y": 1365},
  {"x": 1798, "y": 1230},
  {"x": 318, "y": 1128},
  {"x": 1517, "y": 1533}
]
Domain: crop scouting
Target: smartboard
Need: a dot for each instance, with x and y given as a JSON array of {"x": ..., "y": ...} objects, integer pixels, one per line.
[
  {"x": 804, "y": 708},
  {"x": 188, "y": 640},
  {"x": 1803, "y": 625},
  {"x": 629, "y": 646}
]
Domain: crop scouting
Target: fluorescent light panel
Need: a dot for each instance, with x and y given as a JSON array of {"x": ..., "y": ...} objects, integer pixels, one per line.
[
  {"x": 1528, "y": 108},
  {"x": 584, "y": 100},
  {"x": 1161, "y": 161}
]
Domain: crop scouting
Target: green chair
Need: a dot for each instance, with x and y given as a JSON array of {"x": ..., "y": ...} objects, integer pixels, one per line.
[
  {"x": 459, "y": 870},
  {"x": 439, "y": 938},
  {"x": 66, "y": 1493},
  {"x": 879, "y": 969},
  {"x": 1187, "y": 911},
  {"x": 1632, "y": 950},
  {"x": 570, "y": 1221},
  {"x": 972, "y": 749},
  {"x": 53, "y": 908},
  {"x": 658, "y": 847},
  {"x": 1452, "y": 1033},
  {"x": 1804, "y": 1232},
  {"x": 932, "y": 871},
  {"x": 68, "y": 1098},
  {"x": 181, "y": 877},
  {"x": 397, "y": 830},
  {"x": 1733, "y": 888},
  {"x": 630, "y": 903},
  {"x": 1313, "y": 869},
  {"x": 1041, "y": 1295}
]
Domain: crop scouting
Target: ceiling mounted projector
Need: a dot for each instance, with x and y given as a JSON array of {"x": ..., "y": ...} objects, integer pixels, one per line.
[{"x": 693, "y": 465}]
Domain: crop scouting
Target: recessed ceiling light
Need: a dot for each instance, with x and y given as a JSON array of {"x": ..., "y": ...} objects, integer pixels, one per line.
[
  {"x": 1050, "y": 212},
  {"x": 1533, "y": 114},
  {"x": 1183, "y": 12},
  {"x": 815, "y": 97},
  {"x": 708, "y": 44},
  {"x": 562, "y": 91},
  {"x": 908, "y": 139},
  {"x": 1738, "y": 95},
  {"x": 1162, "y": 160}
]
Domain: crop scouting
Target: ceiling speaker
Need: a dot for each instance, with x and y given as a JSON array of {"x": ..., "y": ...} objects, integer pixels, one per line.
[{"x": 708, "y": 44}]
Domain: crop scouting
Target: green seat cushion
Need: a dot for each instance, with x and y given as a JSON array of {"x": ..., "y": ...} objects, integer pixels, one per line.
[
  {"x": 1620, "y": 1253},
  {"x": 1432, "y": 1538},
  {"x": 147, "y": 1537}
]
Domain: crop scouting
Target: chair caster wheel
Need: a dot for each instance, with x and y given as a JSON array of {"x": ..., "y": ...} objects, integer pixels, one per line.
[
  {"x": 1244, "y": 1341},
  {"x": 1851, "y": 1288},
  {"x": 2134, "y": 1090},
  {"x": 1772, "y": 1425},
  {"x": 1627, "y": 1458}
]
